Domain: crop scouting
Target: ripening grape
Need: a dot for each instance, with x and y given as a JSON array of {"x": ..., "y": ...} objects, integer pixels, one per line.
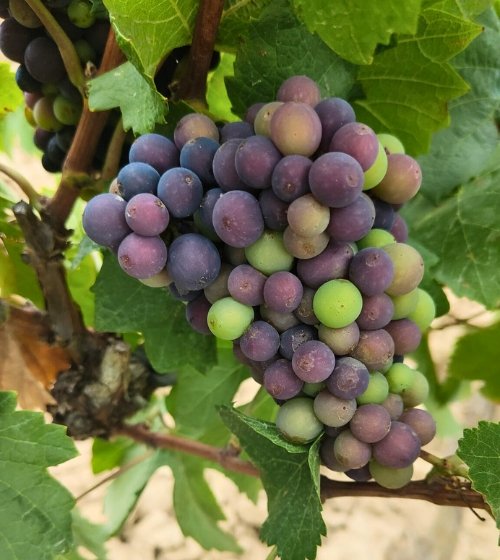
[
  {"x": 246, "y": 285},
  {"x": 228, "y": 319},
  {"x": 408, "y": 268},
  {"x": 326, "y": 452},
  {"x": 38, "y": 52},
  {"x": 343, "y": 340},
  {"x": 296, "y": 129},
  {"x": 390, "y": 478},
  {"x": 218, "y": 288},
  {"x": 203, "y": 215},
  {"x": 391, "y": 144},
  {"x": 14, "y": 38},
  {"x": 333, "y": 411},
  {"x": 376, "y": 313},
  {"x": 399, "y": 448},
  {"x": 406, "y": 335},
  {"x": 350, "y": 452},
  {"x": 359, "y": 141},
  {"x": 421, "y": 422},
  {"x": 394, "y": 405},
  {"x": 399, "y": 229},
  {"x": 349, "y": 378},
  {"x": 370, "y": 423},
  {"x": 307, "y": 217},
  {"x": 305, "y": 311},
  {"x": 194, "y": 125},
  {"x": 280, "y": 321},
  {"x": 375, "y": 349},
  {"x": 303, "y": 247},
  {"x": 300, "y": 89},
  {"x": 262, "y": 122},
  {"x": 402, "y": 180}
]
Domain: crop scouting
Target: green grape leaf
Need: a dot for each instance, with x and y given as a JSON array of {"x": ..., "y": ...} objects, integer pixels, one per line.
[
  {"x": 353, "y": 28},
  {"x": 147, "y": 31},
  {"x": 217, "y": 99},
  {"x": 10, "y": 95},
  {"x": 480, "y": 449},
  {"x": 108, "y": 454},
  {"x": 276, "y": 47},
  {"x": 462, "y": 150},
  {"x": 464, "y": 232},
  {"x": 89, "y": 536},
  {"x": 236, "y": 17},
  {"x": 196, "y": 508},
  {"x": 140, "y": 104},
  {"x": 407, "y": 94},
  {"x": 290, "y": 476},
  {"x": 194, "y": 398},
  {"x": 124, "y": 304},
  {"x": 477, "y": 356},
  {"x": 35, "y": 510}
]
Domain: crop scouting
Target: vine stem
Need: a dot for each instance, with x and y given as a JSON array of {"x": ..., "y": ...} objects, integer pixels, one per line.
[
  {"x": 440, "y": 490},
  {"x": 445, "y": 465},
  {"x": 23, "y": 184},
  {"x": 113, "y": 155},
  {"x": 193, "y": 83},
  {"x": 63, "y": 42}
]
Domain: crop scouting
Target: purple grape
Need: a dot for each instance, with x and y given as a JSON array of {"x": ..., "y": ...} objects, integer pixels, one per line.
[
  {"x": 370, "y": 423},
  {"x": 352, "y": 222},
  {"x": 357, "y": 140},
  {"x": 305, "y": 311},
  {"x": 333, "y": 113},
  {"x": 330, "y": 264},
  {"x": 255, "y": 160},
  {"x": 336, "y": 179},
  {"x": 283, "y": 292},
  {"x": 237, "y": 218},
  {"x": 142, "y": 257},
  {"x": 293, "y": 337},
  {"x": 104, "y": 220},
  {"x": 280, "y": 380},
  {"x": 246, "y": 285},
  {"x": 193, "y": 261},
  {"x": 301, "y": 89},
  {"x": 203, "y": 215},
  {"x": 421, "y": 422},
  {"x": 399, "y": 448},
  {"x": 350, "y": 452},
  {"x": 362, "y": 474},
  {"x": 327, "y": 454},
  {"x": 313, "y": 361},
  {"x": 14, "y": 39},
  {"x": 399, "y": 229},
  {"x": 252, "y": 112},
  {"x": 41, "y": 139},
  {"x": 218, "y": 288},
  {"x": 274, "y": 210},
  {"x": 155, "y": 150},
  {"x": 233, "y": 130},
  {"x": 196, "y": 314},
  {"x": 375, "y": 349},
  {"x": 181, "y": 191},
  {"x": 290, "y": 177},
  {"x": 280, "y": 321},
  {"x": 182, "y": 294},
  {"x": 192, "y": 126},
  {"x": 260, "y": 342},
  {"x": 135, "y": 178},
  {"x": 376, "y": 312},
  {"x": 224, "y": 167},
  {"x": 197, "y": 155},
  {"x": 349, "y": 378},
  {"x": 146, "y": 214},
  {"x": 384, "y": 214},
  {"x": 371, "y": 271},
  {"x": 333, "y": 411},
  {"x": 406, "y": 335},
  {"x": 38, "y": 53}
]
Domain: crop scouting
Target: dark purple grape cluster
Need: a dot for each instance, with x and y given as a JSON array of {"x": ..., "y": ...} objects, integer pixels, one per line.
[
  {"x": 282, "y": 234},
  {"x": 52, "y": 104}
]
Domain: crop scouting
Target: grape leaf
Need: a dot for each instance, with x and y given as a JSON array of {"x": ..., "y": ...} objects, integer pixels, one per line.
[
  {"x": 217, "y": 99},
  {"x": 462, "y": 150},
  {"x": 35, "y": 510},
  {"x": 10, "y": 95},
  {"x": 235, "y": 20},
  {"x": 125, "y": 87},
  {"x": 196, "y": 508},
  {"x": 353, "y": 28},
  {"x": 147, "y": 31},
  {"x": 464, "y": 233},
  {"x": 290, "y": 475},
  {"x": 89, "y": 536},
  {"x": 477, "y": 356},
  {"x": 480, "y": 449},
  {"x": 276, "y": 47},
  {"x": 123, "y": 304},
  {"x": 108, "y": 454}
]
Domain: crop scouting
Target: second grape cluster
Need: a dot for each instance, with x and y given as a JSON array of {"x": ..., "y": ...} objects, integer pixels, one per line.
[{"x": 282, "y": 234}]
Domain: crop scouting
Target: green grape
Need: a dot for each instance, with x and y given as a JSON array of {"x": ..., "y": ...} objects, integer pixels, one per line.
[
  {"x": 43, "y": 114},
  {"x": 389, "y": 477},
  {"x": 392, "y": 144},
  {"x": 80, "y": 13},
  {"x": 67, "y": 111},
  {"x": 404, "y": 304},
  {"x": 337, "y": 303},
  {"x": 312, "y": 389},
  {"x": 375, "y": 173},
  {"x": 424, "y": 312},
  {"x": 400, "y": 378},
  {"x": 228, "y": 319},
  {"x": 417, "y": 392},
  {"x": 376, "y": 238},
  {"x": 377, "y": 390},
  {"x": 268, "y": 253},
  {"x": 297, "y": 422},
  {"x": 85, "y": 51}
]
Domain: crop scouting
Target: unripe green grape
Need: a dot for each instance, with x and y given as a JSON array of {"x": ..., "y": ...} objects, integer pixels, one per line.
[
  {"x": 228, "y": 319},
  {"x": 85, "y": 51},
  {"x": 377, "y": 390},
  {"x": 376, "y": 238},
  {"x": 417, "y": 392},
  {"x": 312, "y": 389},
  {"x": 388, "y": 477},
  {"x": 268, "y": 253},
  {"x": 297, "y": 422},
  {"x": 375, "y": 173},
  {"x": 80, "y": 13},
  {"x": 400, "y": 378},
  {"x": 392, "y": 144},
  {"x": 424, "y": 312},
  {"x": 23, "y": 14},
  {"x": 337, "y": 303},
  {"x": 404, "y": 304},
  {"x": 67, "y": 111}
]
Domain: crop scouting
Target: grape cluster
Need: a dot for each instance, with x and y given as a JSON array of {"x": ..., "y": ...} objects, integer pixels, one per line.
[
  {"x": 282, "y": 234},
  {"x": 52, "y": 104}
]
